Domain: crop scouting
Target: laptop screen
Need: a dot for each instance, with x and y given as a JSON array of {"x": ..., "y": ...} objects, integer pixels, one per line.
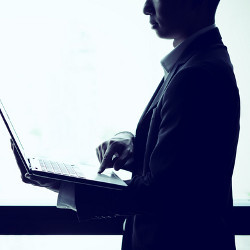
[{"x": 13, "y": 134}]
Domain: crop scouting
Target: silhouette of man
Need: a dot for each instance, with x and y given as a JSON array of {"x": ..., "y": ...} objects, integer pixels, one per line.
[{"x": 182, "y": 155}]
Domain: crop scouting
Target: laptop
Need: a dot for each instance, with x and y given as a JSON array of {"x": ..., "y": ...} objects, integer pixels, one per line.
[{"x": 76, "y": 173}]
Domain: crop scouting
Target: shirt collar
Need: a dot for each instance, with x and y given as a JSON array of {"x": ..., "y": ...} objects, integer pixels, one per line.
[{"x": 169, "y": 60}]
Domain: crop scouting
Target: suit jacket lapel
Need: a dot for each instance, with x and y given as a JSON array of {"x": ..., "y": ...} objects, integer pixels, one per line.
[
  {"x": 158, "y": 94},
  {"x": 151, "y": 101},
  {"x": 163, "y": 88}
]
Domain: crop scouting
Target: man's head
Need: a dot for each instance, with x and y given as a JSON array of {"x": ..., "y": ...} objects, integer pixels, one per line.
[{"x": 177, "y": 19}]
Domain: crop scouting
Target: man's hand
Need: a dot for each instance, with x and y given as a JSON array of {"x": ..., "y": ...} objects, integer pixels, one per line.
[
  {"x": 53, "y": 185},
  {"x": 116, "y": 152}
]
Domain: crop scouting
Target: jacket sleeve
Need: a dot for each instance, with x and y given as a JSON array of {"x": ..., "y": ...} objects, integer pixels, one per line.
[
  {"x": 192, "y": 160},
  {"x": 196, "y": 137}
]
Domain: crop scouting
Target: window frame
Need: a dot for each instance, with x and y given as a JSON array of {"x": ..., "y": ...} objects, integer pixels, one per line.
[{"x": 49, "y": 220}]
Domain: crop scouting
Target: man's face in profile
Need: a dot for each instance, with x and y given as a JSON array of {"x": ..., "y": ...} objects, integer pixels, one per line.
[{"x": 169, "y": 18}]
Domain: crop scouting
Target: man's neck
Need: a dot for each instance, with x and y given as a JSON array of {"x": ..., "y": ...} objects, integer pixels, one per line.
[{"x": 189, "y": 32}]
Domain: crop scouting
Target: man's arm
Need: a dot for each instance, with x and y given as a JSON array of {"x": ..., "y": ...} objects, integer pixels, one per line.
[
  {"x": 198, "y": 120},
  {"x": 192, "y": 160}
]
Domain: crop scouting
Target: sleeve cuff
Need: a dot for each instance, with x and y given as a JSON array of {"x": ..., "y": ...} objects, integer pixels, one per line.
[{"x": 66, "y": 196}]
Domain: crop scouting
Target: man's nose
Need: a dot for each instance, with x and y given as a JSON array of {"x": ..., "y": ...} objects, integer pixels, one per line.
[{"x": 148, "y": 8}]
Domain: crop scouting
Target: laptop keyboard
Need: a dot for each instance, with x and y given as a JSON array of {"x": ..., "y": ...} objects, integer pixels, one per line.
[{"x": 59, "y": 168}]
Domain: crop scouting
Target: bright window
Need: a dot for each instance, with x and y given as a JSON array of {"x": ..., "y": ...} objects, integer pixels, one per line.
[{"x": 75, "y": 72}]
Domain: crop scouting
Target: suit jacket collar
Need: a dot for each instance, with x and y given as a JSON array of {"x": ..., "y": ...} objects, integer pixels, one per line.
[
  {"x": 169, "y": 61},
  {"x": 210, "y": 39},
  {"x": 203, "y": 42}
]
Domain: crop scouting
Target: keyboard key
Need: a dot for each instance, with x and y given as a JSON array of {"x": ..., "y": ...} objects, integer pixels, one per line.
[
  {"x": 63, "y": 169},
  {"x": 56, "y": 167},
  {"x": 48, "y": 166},
  {"x": 59, "y": 168},
  {"x": 71, "y": 170}
]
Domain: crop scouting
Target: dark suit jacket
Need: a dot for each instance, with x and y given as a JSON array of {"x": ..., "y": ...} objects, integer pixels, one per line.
[{"x": 180, "y": 196}]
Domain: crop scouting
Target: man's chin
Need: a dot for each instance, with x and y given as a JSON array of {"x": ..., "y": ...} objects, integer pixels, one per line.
[{"x": 163, "y": 34}]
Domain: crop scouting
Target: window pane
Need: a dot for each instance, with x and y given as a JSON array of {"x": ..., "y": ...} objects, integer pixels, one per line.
[
  {"x": 75, "y": 72},
  {"x": 60, "y": 242},
  {"x": 79, "y": 242},
  {"x": 242, "y": 242}
]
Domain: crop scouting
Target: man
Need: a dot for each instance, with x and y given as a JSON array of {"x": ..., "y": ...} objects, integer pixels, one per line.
[{"x": 182, "y": 155}]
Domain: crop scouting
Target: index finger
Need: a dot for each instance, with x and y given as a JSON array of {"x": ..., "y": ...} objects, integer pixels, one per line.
[{"x": 106, "y": 161}]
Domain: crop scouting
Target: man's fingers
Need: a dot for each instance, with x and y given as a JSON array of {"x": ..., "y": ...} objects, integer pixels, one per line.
[
  {"x": 103, "y": 150},
  {"x": 30, "y": 177},
  {"x": 106, "y": 161},
  {"x": 40, "y": 181},
  {"x": 114, "y": 153},
  {"x": 27, "y": 178},
  {"x": 120, "y": 162},
  {"x": 98, "y": 154}
]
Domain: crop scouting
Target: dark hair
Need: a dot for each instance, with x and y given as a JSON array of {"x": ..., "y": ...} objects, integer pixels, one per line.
[
  {"x": 210, "y": 4},
  {"x": 213, "y": 4}
]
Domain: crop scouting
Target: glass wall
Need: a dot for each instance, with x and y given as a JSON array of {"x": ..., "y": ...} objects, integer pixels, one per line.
[{"x": 75, "y": 72}]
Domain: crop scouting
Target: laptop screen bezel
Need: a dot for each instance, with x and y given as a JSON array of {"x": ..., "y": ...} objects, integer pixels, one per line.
[{"x": 14, "y": 136}]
